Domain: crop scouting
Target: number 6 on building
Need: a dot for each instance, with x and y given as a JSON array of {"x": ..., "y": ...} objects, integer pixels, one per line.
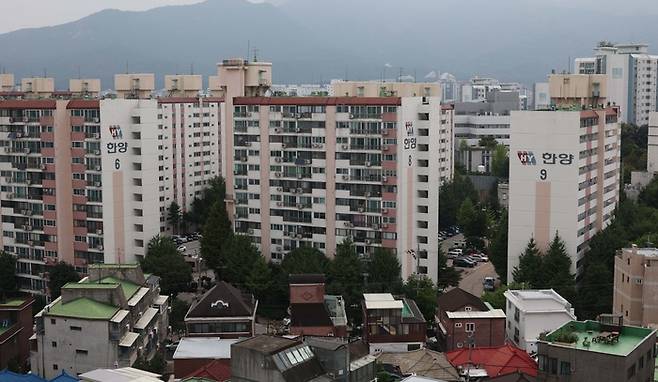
[{"x": 117, "y": 164}]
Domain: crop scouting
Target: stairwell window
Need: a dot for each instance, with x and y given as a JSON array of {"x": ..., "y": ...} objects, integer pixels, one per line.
[{"x": 470, "y": 327}]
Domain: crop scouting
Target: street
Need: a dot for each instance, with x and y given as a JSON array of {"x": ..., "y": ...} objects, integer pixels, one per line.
[{"x": 471, "y": 277}]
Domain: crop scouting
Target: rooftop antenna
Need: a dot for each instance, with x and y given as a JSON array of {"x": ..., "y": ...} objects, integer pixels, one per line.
[
  {"x": 192, "y": 68},
  {"x": 79, "y": 77},
  {"x": 248, "y": 48},
  {"x": 127, "y": 72},
  {"x": 400, "y": 76},
  {"x": 45, "y": 73},
  {"x": 256, "y": 51}
]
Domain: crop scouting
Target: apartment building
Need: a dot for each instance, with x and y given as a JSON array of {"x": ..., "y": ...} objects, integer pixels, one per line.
[
  {"x": 313, "y": 171},
  {"x": 183, "y": 85},
  {"x": 533, "y": 312},
  {"x": 38, "y": 87},
  {"x": 85, "y": 88},
  {"x": 564, "y": 179},
  {"x": 603, "y": 350},
  {"x": 631, "y": 74},
  {"x": 477, "y": 88},
  {"x": 384, "y": 89},
  {"x": 106, "y": 320},
  {"x": 652, "y": 145},
  {"x": 15, "y": 330},
  {"x": 71, "y": 178},
  {"x": 392, "y": 324},
  {"x": 450, "y": 88},
  {"x": 577, "y": 89},
  {"x": 634, "y": 298},
  {"x": 477, "y": 120},
  {"x": 6, "y": 82},
  {"x": 134, "y": 85}
]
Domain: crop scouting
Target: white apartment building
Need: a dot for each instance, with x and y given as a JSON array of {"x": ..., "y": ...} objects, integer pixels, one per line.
[
  {"x": 478, "y": 88},
  {"x": 477, "y": 120},
  {"x": 313, "y": 171},
  {"x": 532, "y": 312},
  {"x": 632, "y": 76},
  {"x": 542, "y": 96},
  {"x": 106, "y": 320},
  {"x": 564, "y": 178},
  {"x": 450, "y": 88},
  {"x": 652, "y": 146}
]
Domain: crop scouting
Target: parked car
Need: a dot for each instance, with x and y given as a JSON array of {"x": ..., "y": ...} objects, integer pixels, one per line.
[
  {"x": 181, "y": 248},
  {"x": 463, "y": 262},
  {"x": 489, "y": 284},
  {"x": 481, "y": 257},
  {"x": 456, "y": 252}
]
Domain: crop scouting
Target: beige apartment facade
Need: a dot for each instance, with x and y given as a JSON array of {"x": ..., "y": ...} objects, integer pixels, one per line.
[
  {"x": 137, "y": 85},
  {"x": 385, "y": 89},
  {"x": 636, "y": 277},
  {"x": 577, "y": 89}
]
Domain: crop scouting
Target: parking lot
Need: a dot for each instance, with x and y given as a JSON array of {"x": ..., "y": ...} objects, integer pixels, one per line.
[{"x": 472, "y": 278}]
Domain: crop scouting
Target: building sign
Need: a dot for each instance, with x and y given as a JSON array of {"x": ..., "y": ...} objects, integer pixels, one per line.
[
  {"x": 118, "y": 145},
  {"x": 410, "y": 141},
  {"x": 527, "y": 158}
]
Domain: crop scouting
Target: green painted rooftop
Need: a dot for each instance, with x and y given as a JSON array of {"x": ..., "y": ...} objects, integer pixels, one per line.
[
  {"x": 84, "y": 308},
  {"x": 129, "y": 288},
  {"x": 13, "y": 302},
  {"x": 114, "y": 266},
  {"x": 629, "y": 337}
]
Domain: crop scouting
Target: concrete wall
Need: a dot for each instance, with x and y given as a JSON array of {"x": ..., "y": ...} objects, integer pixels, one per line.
[
  {"x": 488, "y": 332},
  {"x": 379, "y": 89}
]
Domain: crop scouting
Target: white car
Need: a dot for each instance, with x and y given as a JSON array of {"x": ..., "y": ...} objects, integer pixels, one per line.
[{"x": 182, "y": 248}]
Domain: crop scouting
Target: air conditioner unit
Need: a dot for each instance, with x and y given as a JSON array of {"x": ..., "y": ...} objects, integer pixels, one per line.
[
  {"x": 283, "y": 145},
  {"x": 30, "y": 243},
  {"x": 250, "y": 231},
  {"x": 19, "y": 135},
  {"x": 247, "y": 143},
  {"x": 368, "y": 241},
  {"x": 346, "y": 177},
  {"x": 299, "y": 191},
  {"x": 293, "y": 190},
  {"x": 361, "y": 209},
  {"x": 24, "y": 212},
  {"x": 384, "y": 210},
  {"x": 97, "y": 136},
  {"x": 11, "y": 120},
  {"x": 384, "y": 178},
  {"x": 235, "y": 172},
  {"x": 368, "y": 164},
  {"x": 279, "y": 189},
  {"x": 300, "y": 206},
  {"x": 347, "y": 224},
  {"x": 97, "y": 120},
  {"x": 7, "y": 150},
  {"x": 236, "y": 186},
  {"x": 385, "y": 148},
  {"x": 278, "y": 159},
  {"x": 375, "y": 226},
  {"x": 351, "y": 224},
  {"x": 352, "y": 116},
  {"x": 27, "y": 227},
  {"x": 279, "y": 204},
  {"x": 345, "y": 147},
  {"x": 97, "y": 184},
  {"x": 28, "y": 182},
  {"x": 25, "y": 119},
  {"x": 277, "y": 130},
  {"x": 277, "y": 174},
  {"x": 384, "y": 132},
  {"x": 98, "y": 168},
  {"x": 299, "y": 236},
  {"x": 243, "y": 159},
  {"x": 10, "y": 196},
  {"x": 99, "y": 247},
  {"x": 384, "y": 225},
  {"x": 300, "y": 176},
  {"x": 99, "y": 232},
  {"x": 97, "y": 152},
  {"x": 367, "y": 194},
  {"x": 279, "y": 248},
  {"x": 43, "y": 166},
  {"x": 27, "y": 150}
]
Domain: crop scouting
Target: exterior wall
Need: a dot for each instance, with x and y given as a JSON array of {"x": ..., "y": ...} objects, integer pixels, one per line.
[
  {"x": 577, "y": 89},
  {"x": 38, "y": 87},
  {"x": 186, "y": 85},
  {"x": 488, "y": 332},
  {"x": 248, "y": 322},
  {"x": 635, "y": 280},
  {"x": 134, "y": 85},
  {"x": 14, "y": 341},
  {"x": 306, "y": 293},
  {"x": 576, "y": 195},
  {"x": 85, "y": 87},
  {"x": 6, "y": 82},
  {"x": 531, "y": 325},
  {"x": 652, "y": 147},
  {"x": 542, "y": 95},
  {"x": 185, "y": 367},
  {"x": 313, "y": 331},
  {"x": 131, "y": 205},
  {"x": 248, "y": 365},
  {"x": 395, "y": 347},
  {"x": 384, "y": 89},
  {"x": 595, "y": 366}
]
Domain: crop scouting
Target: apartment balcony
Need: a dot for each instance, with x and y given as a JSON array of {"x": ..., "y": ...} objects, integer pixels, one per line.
[{"x": 365, "y": 116}]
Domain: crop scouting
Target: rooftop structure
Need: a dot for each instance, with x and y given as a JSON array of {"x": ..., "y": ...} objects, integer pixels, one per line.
[
  {"x": 423, "y": 363},
  {"x": 134, "y": 85},
  {"x": 193, "y": 353},
  {"x": 6, "y": 82},
  {"x": 604, "y": 350},
  {"x": 183, "y": 85},
  {"x": 577, "y": 89},
  {"x": 312, "y": 312},
  {"x": 385, "y": 89},
  {"x": 15, "y": 330},
  {"x": 392, "y": 324},
  {"x": 633, "y": 296},
  {"x": 215, "y": 371},
  {"x": 85, "y": 88},
  {"x": 124, "y": 374},
  {"x": 38, "y": 87},
  {"x": 496, "y": 361}
]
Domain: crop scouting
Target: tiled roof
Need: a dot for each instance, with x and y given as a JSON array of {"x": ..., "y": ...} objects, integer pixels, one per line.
[
  {"x": 84, "y": 308},
  {"x": 422, "y": 362},
  {"x": 223, "y": 300},
  {"x": 214, "y": 371},
  {"x": 457, "y": 298},
  {"x": 83, "y": 104},
  {"x": 496, "y": 361}
]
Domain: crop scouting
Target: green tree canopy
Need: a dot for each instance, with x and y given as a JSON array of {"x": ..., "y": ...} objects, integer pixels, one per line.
[
  {"x": 498, "y": 246},
  {"x": 497, "y": 297},
  {"x": 216, "y": 233},
  {"x": 488, "y": 142},
  {"x": 305, "y": 260},
  {"x": 8, "y": 281},
  {"x": 556, "y": 268},
  {"x": 500, "y": 162},
  {"x": 448, "y": 275},
  {"x": 238, "y": 257},
  {"x": 163, "y": 260},
  {"x": 215, "y": 192},
  {"x": 259, "y": 280},
  {"x": 384, "y": 272},
  {"x": 58, "y": 275},
  {"x": 421, "y": 289},
  {"x": 179, "y": 309},
  {"x": 529, "y": 270},
  {"x": 451, "y": 196},
  {"x": 174, "y": 216}
]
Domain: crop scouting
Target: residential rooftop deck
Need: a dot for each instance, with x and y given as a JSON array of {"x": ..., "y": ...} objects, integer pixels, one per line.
[
  {"x": 84, "y": 308},
  {"x": 13, "y": 302},
  {"x": 629, "y": 337}
]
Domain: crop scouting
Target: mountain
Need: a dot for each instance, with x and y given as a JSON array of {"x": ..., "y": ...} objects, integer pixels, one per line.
[{"x": 317, "y": 40}]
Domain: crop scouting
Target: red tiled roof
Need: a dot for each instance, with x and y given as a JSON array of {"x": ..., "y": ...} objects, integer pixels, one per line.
[
  {"x": 83, "y": 104},
  {"x": 190, "y": 99},
  {"x": 28, "y": 104},
  {"x": 312, "y": 101},
  {"x": 216, "y": 370},
  {"x": 497, "y": 361}
]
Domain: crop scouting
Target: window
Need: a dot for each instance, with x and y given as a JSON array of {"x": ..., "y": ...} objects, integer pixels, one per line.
[
  {"x": 542, "y": 362},
  {"x": 565, "y": 368},
  {"x": 468, "y": 309},
  {"x": 53, "y": 344},
  {"x": 470, "y": 327},
  {"x": 55, "y": 367},
  {"x": 76, "y": 328},
  {"x": 52, "y": 321},
  {"x": 631, "y": 372},
  {"x": 552, "y": 362},
  {"x": 458, "y": 324},
  {"x": 81, "y": 352}
]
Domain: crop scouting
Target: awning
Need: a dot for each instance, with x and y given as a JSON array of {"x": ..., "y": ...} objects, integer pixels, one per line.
[
  {"x": 137, "y": 297},
  {"x": 119, "y": 316},
  {"x": 129, "y": 339},
  {"x": 146, "y": 318},
  {"x": 160, "y": 300}
]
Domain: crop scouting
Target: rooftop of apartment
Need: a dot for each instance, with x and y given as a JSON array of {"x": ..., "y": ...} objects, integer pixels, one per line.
[
  {"x": 596, "y": 337},
  {"x": 646, "y": 252},
  {"x": 13, "y": 303},
  {"x": 538, "y": 300},
  {"x": 386, "y": 301}
]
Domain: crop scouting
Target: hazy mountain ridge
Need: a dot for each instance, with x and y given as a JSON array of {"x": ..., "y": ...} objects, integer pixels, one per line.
[{"x": 309, "y": 41}]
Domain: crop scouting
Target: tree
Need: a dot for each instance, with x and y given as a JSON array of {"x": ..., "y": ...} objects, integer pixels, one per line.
[
  {"x": 500, "y": 162},
  {"x": 8, "y": 283},
  {"x": 451, "y": 197},
  {"x": 174, "y": 216},
  {"x": 59, "y": 275},
  {"x": 529, "y": 270},
  {"x": 420, "y": 288},
  {"x": 259, "y": 280},
  {"x": 556, "y": 266},
  {"x": 305, "y": 260},
  {"x": 448, "y": 276},
  {"x": 488, "y": 142},
  {"x": 179, "y": 309},
  {"x": 384, "y": 272},
  {"x": 156, "y": 365},
  {"x": 498, "y": 247},
  {"x": 215, "y": 192},
  {"x": 345, "y": 277},
  {"x": 238, "y": 257},
  {"x": 649, "y": 195},
  {"x": 163, "y": 260},
  {"x": 497, "y": 297},
  {"x": 466, "y": 214},
  {"x": 217, "y": 231}
]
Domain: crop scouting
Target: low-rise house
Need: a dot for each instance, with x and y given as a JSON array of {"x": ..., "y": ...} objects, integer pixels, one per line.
[
  {"x": 193, "y": 353},
  {"x": 343, "y": 360},
  {"x": 15, "y": 330},
  {"x": 634, "y": 297},
  {"x": 312, "y": 312},
  {"x": 124, "y": 374},
  {"x": 107, "y": 320},
  {"x": 392, "y": 325},
  {"x": 8, "y": 376},
  {"x": 423, "y": 363},
  {"x": 274, "y": 359},
  {"x": 489, "y": 362},
  {"x": 464, "y": 320},
  {"x": 532, "y": 312},
  {"x": 217, "y": 371},
  {"x": 224, "y": 311},
  {"x": 602, "y": 351}
]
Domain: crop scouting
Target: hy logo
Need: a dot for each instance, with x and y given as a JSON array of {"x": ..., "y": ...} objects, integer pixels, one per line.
[
  {"x": 115, "y": 132},
  {"x": 527, "y": 158}
]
